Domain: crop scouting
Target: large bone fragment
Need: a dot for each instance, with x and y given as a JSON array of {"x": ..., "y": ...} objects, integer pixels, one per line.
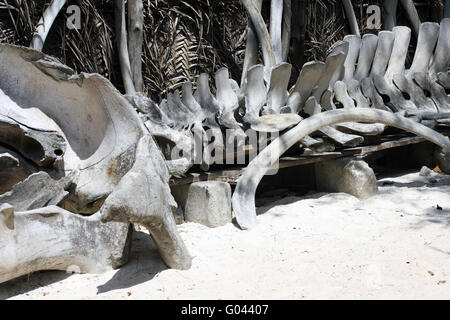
[
  {"x": 37, "y": 191},
  {"x": 52, "y": 238},
  {"x": 442, "y": 52},
  {"x": 99, "y": 125},
  {"x": 136, "y": 40},
  {"x": 13, "y": 169},
  {"x": 399, "y": 52},
  {"x": 251, "y": 49},
  {"x": 148, "y": 179},
  {"x": 105, "y": 140}
]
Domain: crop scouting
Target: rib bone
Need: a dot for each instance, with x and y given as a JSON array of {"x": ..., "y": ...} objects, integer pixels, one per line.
[{"x": 244, "y": 195}]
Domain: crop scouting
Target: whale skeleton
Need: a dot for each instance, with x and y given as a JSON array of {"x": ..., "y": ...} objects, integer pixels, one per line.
[{"x": 90, "y": 164}]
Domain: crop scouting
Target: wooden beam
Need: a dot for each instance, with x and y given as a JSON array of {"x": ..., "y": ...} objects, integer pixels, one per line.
[{"x": 232, "y": 175}]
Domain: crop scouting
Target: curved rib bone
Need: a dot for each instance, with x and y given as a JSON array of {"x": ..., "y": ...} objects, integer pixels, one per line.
[
  {"x": 390, "y": 14},
  {"x": 261, "y": 31},
  {"x": 428, "y": 37},
  {"x": 146, "y": 180},
  {"x": 13, "y": 169},
  {"x": 37, "y": 191},
  {"x": 413, "y": 16},
  {"x": 244, "y": 195},
  {"x": 136, "y": 40},
  {"x": 256, "y": 95},
  {"x": 121, "y": 31},
  {"x": 45, "y": 24},
  {"x": 251, "y": 49},
  {"x": 350, "y": 12},
  {"x": 276, "y": 19}
]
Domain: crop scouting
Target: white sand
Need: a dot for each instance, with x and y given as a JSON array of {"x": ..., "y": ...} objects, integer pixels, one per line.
[{"x": 394, "y": 246}]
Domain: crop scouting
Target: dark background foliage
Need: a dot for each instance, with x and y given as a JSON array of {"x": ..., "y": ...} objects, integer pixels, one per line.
[{"x": 182, "y": 37}]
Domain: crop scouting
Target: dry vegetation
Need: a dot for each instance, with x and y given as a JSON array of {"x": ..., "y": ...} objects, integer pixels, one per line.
[{"x": 182, "y": 37}]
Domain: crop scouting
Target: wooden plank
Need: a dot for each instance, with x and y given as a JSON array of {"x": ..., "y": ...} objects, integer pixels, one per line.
[
  {"x": 288, "y": 162},
  {"x": 232, "y": 175},
  {"x": 390, "y": 144}
]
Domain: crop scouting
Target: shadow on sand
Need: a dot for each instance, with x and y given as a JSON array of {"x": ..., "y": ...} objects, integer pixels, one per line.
[{"x": 144, "y": 264}]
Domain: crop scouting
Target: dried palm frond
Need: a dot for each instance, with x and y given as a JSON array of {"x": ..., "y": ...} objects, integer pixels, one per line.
[
  {"x": 183, "y": 38},
  {"x": 90, "y": 49},
  {"x": 18, "y": 19},
  {"x": 325, "y": 24}
]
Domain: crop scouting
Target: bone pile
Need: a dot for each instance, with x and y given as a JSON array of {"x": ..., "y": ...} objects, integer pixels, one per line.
[{"x": 361, "y": 72}]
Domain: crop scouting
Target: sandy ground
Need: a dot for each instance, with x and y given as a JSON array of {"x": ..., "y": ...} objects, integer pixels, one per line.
[{"x": 324, "y": 246}]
